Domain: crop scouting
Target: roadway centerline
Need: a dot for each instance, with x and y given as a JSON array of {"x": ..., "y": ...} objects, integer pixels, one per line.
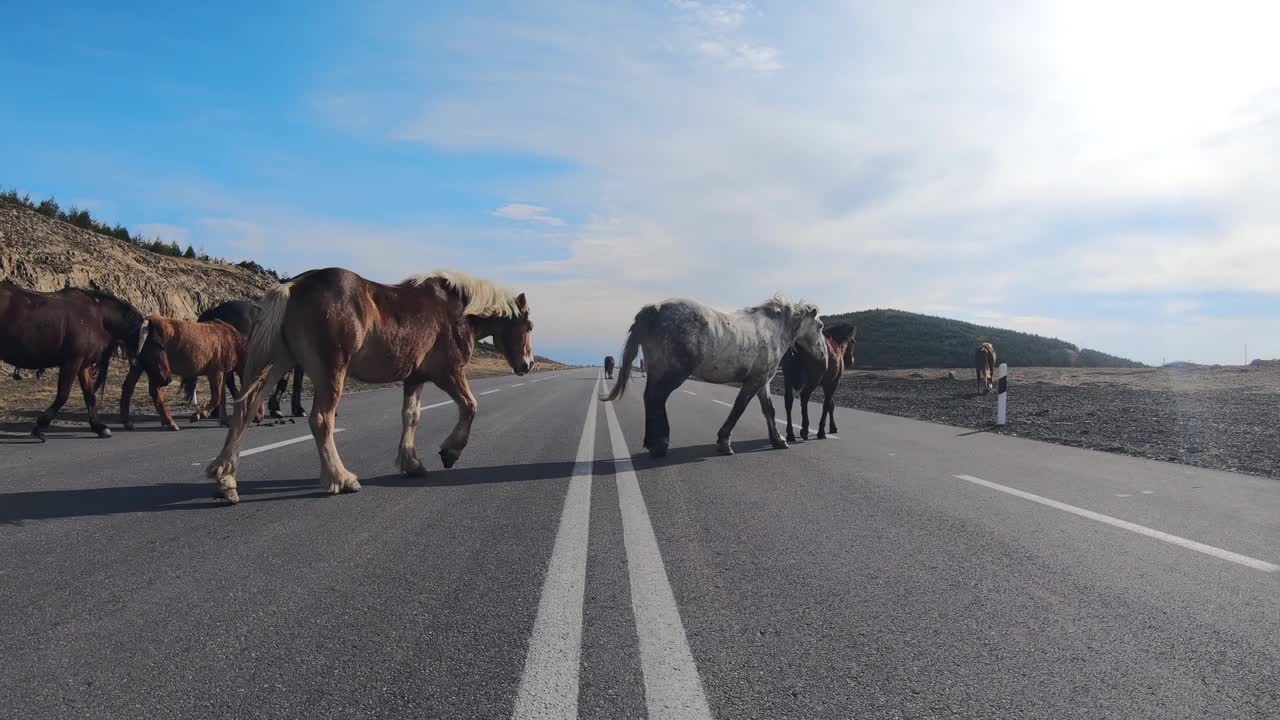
[
  {"x": 282, "y": 443},
  {"x": 490, "y": 392},
  {"x": 517, "y": 385},
  {"x": 1199, "y": 547},
  {"x": 549, "y": 685},
  {"x": 672, "y": 687}
]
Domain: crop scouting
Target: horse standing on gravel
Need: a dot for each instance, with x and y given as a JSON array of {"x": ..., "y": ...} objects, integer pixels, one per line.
[
  {"x": 241, "y": 315},
  {"x": 803, "y": 373},
  {"x": 984, "y": 362},
  {"x": 608, "y": 367},
  {"x": 684, "y": 338},
  {"x": 74, "y": 330},
  {"x": 191, "y": 350},
  {"x": 335, "y": 323}
]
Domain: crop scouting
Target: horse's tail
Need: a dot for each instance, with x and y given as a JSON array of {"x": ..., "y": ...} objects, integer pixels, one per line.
[
  {"x": 641, "y": 327},
  {"x": 100, "y": 372},
  {"x": 266, "y": 345}
]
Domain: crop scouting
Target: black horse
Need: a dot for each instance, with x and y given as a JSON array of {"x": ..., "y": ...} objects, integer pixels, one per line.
[
  {"x": 241, "y": 315},
  {"x": 608, "y": 366},
  {"x": 74, "y": 330}
]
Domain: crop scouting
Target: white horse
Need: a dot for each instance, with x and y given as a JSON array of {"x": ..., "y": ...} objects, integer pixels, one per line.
[{"x": 684, "y": 338}]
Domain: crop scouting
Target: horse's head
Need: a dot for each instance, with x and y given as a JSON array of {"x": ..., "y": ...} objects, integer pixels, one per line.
[
  {"x": 809, "y": 332},
  {"x": 844, "y": 338},
  {"x": 513, "y": 337},
  {"x": 150, "y": 351}
]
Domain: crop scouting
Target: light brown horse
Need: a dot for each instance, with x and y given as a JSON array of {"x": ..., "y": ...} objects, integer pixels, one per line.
[
  {"x": 803, "y": 373},
  {"x": 335, "y": 323},
  {"x": 984, "y": 362},
  {"x": 191, "y": 350}
]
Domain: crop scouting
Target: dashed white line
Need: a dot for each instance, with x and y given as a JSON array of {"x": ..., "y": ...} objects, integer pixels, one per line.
[
  {"x": 672, "y": 688},
  {"x": 490, "y": 392},
  {"x": 721, "y": 402},
  {"x": 549, "y": 685},
  {"x": 1199, "y": 547},
  {"x": 517, "y": 385},
  {"x": 688, "y": 392}
]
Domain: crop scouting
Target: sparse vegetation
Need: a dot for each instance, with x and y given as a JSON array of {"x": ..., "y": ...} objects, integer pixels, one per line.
[
  {"x": 84, "y": 219},
  {"x": 897, "y": 339}
]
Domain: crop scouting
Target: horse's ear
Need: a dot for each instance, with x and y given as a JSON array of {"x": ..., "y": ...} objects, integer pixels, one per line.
[
  {"x": 813, "y": 312},
  {"x": 521, "y": 302}
]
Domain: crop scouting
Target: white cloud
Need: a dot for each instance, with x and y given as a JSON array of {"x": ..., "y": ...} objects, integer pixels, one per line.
[
  {"x": 971, "y": 157},
  {"x": 529, "y": 213}
]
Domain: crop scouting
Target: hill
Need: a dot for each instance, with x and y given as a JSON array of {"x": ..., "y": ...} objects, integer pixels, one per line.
[
  {"x": 46, "y": 254},
  {"x": 896, "y": 339}
]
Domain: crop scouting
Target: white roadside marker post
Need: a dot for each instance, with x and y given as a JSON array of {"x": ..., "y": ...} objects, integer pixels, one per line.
[{"x": 1003, "y": 397}]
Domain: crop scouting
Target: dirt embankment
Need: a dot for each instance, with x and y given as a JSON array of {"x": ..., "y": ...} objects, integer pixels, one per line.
[{"x": 1225, "y": 418}]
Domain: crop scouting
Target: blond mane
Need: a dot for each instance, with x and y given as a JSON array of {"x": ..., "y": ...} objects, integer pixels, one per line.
[
  {"x": 482, "y": 297},
  {"x": 778, "y": 303}
]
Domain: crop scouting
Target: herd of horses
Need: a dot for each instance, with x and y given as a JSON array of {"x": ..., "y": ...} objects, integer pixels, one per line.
[{"x": 332, "y": 324}]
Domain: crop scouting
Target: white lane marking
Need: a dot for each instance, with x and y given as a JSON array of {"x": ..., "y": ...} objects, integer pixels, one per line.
[
  {"x": 1148, "y": 492},
  {"x": 490, "y": 392},
  {"x": 723, "y": 403},
  {"x": 1219, "y": 553},
  {"x": 688, "y": 392},
  {"x": 672, "y": 688},
  {"x": 436, "y": 405},
  {"x": 1124, "y": 495},
  {"x": 282, "y": 443},
  {"x": 549, "y": 685},
  {"x": 517, "y": 385}
]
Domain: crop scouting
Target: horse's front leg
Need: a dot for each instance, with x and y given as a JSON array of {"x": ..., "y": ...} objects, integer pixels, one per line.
[
  {"x": 126, "y": 394},
  {"x": 296, "y": 403},
  {"x": 91, "y": 402},
  {"x": 458, "y": 388},
  {"x": 407, "y": 457},
  {"x": 66, "y": 375},
  {"x": 156, "y": 390},
  {"x": 831, "y": 410},
  {"x": 739, "y": 405},
  {"x": 770, "y": 417},
  {"x": 788, "y": 396},
  {"x": 805, "y": 394}
]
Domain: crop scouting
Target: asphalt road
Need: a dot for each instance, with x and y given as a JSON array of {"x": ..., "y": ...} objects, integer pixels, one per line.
[{"x": 901, "y": 570}]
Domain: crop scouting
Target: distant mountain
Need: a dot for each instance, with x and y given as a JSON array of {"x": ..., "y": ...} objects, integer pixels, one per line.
[{"x": 891, "y": 339}]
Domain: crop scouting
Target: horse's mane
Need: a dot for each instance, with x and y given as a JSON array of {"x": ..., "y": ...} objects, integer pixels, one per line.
[
  {"x": 482, "y": 298},
  {"x": 778, "y": 304}
]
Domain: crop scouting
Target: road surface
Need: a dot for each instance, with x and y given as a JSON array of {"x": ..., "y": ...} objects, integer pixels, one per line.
[{"x": 901, "y": 570}]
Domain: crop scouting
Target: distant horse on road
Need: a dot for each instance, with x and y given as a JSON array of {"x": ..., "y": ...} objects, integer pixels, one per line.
[
  {"x": 984, "y": 361},
  {"x": 608, "y": 366},
  {"x": 687, "y": 339},
  {"x": 191, "y": 350},
  {"x": 74, "y": 330},
  {"x": 335, "y": 323},
  {"x": 802, "y": 373}
]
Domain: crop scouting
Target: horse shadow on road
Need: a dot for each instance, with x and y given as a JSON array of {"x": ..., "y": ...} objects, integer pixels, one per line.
[{"x": 18, "y": 507}]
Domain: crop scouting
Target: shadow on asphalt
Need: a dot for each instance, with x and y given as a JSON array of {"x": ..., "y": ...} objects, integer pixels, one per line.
[{"x": 53, "y": 504}]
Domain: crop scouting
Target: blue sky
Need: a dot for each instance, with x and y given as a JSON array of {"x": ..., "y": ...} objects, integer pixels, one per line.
[{"x": 1067, "y": 168}]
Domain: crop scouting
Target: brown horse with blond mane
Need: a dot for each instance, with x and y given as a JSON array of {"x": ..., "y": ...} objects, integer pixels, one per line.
[
  {"x": 336, "y": 324},
  {"x": 984, "y": 362}
]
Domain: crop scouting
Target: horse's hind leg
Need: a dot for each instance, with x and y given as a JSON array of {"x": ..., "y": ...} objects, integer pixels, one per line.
[
  {"x": 279, "y": 388},
  {"x": 66, "y": 375},
  {"x": 770, "y": 417},
  {"x": 407, "y": 457},
  {"x": 91, "y": 402},
  {"x": 223, "y": 468},
  {"x": 805, "y": 394},
  {"x": 324, "y": 409},
  {"x": 829, "y": 401},
  {"x": 458, "y": 388},
  {"x": 296, "y": 404},
  {"x": 657, "y": 427}
]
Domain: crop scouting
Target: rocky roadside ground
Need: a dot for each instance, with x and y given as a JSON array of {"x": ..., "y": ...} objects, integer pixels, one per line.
[{"x": 1224, "y": 418}]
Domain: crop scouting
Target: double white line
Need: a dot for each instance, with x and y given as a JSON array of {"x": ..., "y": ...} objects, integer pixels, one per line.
[{"x": 549, "y": 685}]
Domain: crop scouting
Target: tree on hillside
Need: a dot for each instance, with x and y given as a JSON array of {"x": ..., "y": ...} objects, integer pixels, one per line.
[{"x": 190, "y": 254}]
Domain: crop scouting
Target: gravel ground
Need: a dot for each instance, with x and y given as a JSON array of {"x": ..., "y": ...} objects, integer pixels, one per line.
[{"x": 1224, "y": 418}]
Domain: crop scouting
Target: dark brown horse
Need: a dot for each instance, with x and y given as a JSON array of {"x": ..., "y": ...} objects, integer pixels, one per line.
[
  {"x": 984, "y": 362},
  {"x": 804, "y": 374},
  {"x": 73, "y": 330},
  {"x": 335, "y": 323},
  {"x": 608, "y": 366},
  {"x": 190, "y": 350},
  {"x": 241, "y": 315}
]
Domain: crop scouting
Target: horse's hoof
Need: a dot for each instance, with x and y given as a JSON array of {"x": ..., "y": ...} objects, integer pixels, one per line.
[
  {"x": 195, "y": 417},
  {"x": 230, "y": 495},
  {"x": 172, "y": 427},
  {"x": 299, "y": 412},
  {"x": 723, "y": 447},
  {"x": 803, "y": 436},
  {"x": 275, "y": 415},
  {"x": 658, "y": 450},
  {"x": 822, "y": 436},
  {"x": 779, "y": 444},
  {"x": 104, "y": 432},
  {"x": 791, "y": 438},
  {"x": 449, "y": 457},
  {"x": 352, "y": 485}
]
